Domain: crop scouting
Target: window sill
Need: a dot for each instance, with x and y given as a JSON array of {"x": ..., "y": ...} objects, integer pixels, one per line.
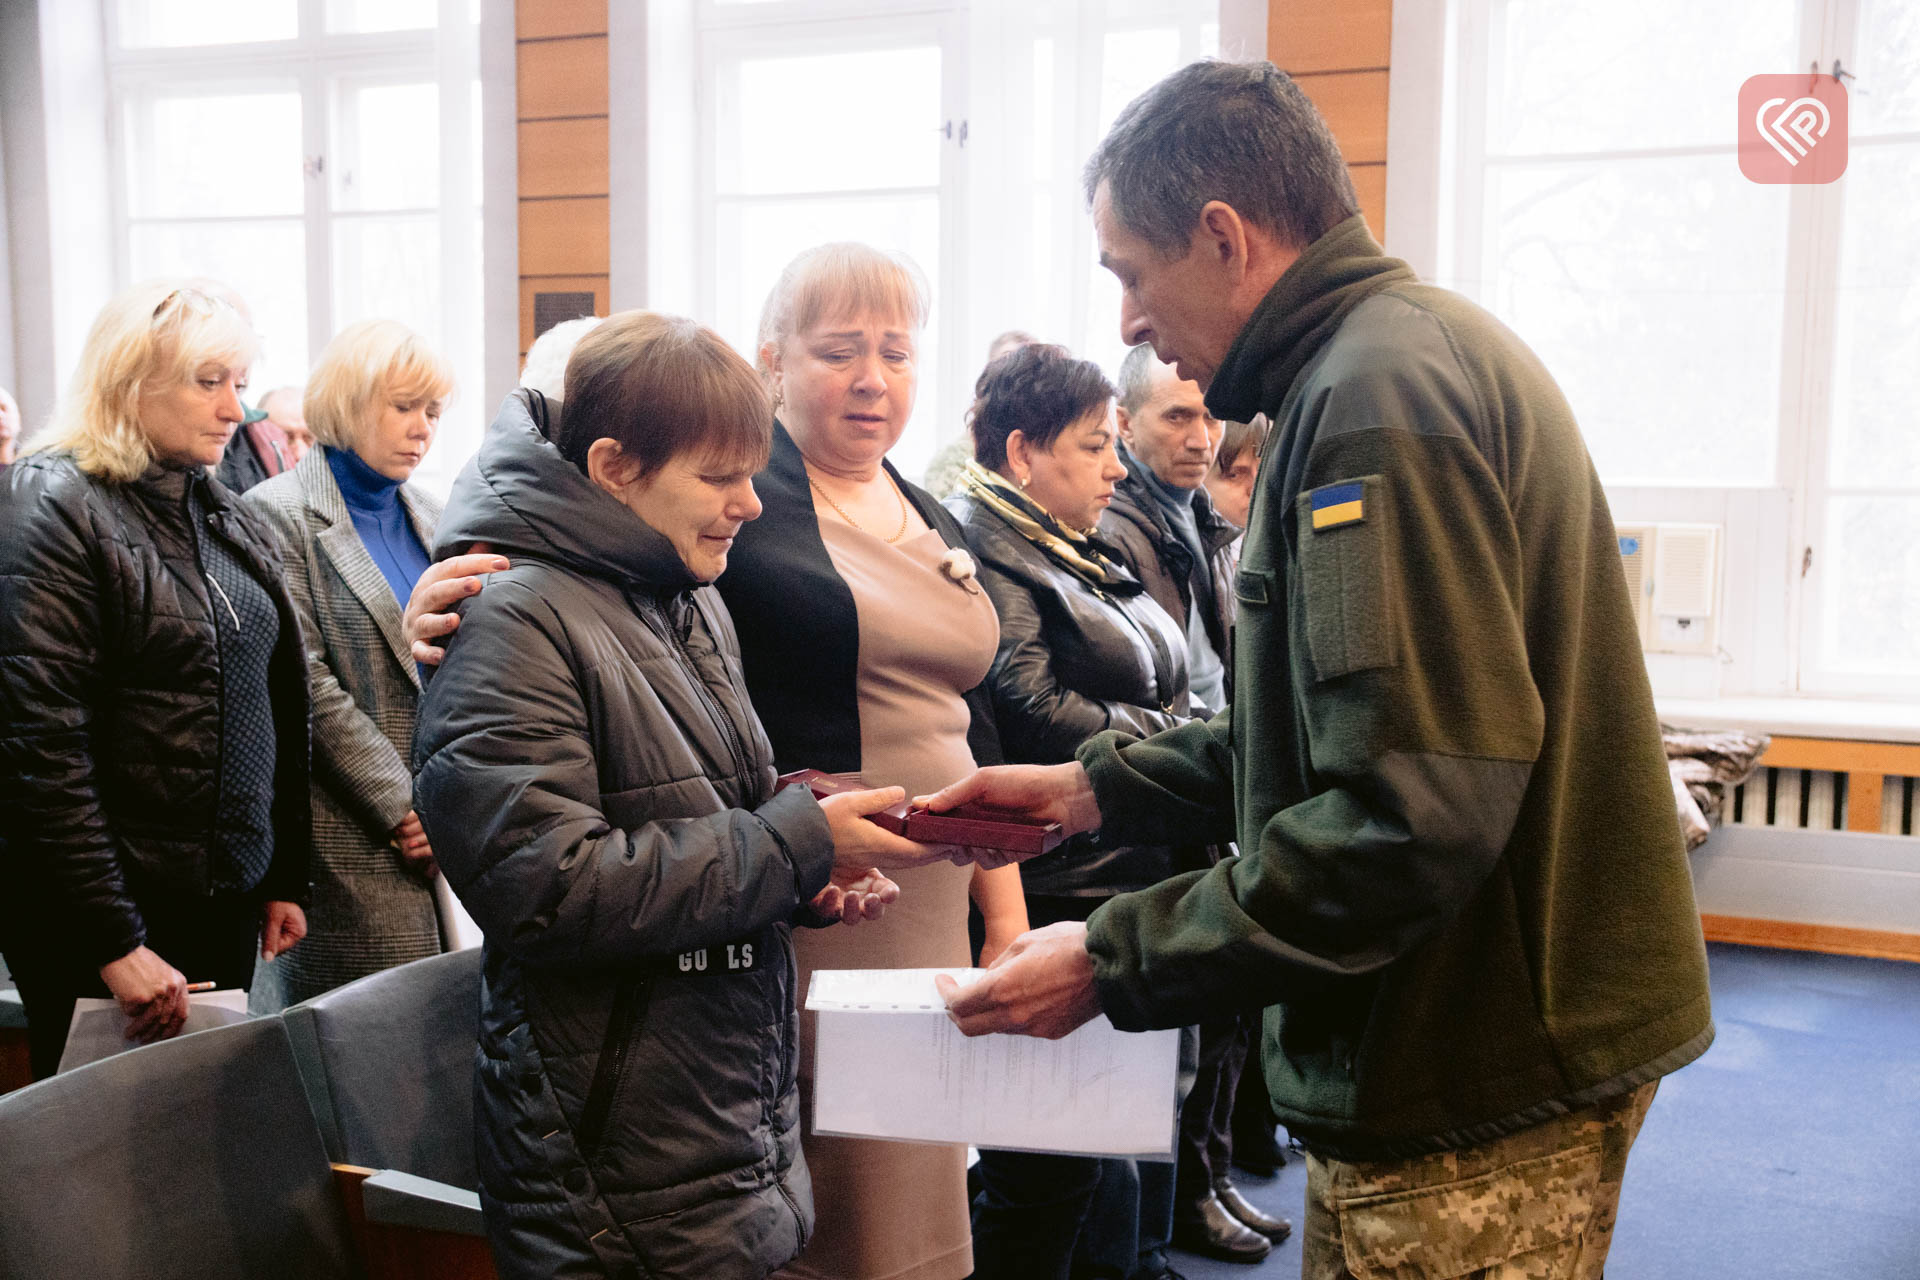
[{"x": 1841, "y": 718}]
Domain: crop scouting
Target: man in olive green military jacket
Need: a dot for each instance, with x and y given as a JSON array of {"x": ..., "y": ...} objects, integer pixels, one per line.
[{"x": 1478, "y": 952}]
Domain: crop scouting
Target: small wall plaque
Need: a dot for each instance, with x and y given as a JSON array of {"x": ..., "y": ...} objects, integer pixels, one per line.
[{"x": 550, "y": 309}]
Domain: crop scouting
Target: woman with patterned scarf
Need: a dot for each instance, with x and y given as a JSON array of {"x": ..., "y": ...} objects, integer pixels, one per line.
[{"x": 1082, "y": 648}]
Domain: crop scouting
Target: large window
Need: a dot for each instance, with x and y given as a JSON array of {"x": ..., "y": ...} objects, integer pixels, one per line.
[
  {"x": 1716, "y": 335},
  {"x": 319, "y": 156},
  {"x": 949, "y": 131}
]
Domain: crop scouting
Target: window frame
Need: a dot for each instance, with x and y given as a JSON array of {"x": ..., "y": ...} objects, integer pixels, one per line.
[
  {"x": 798, "y": 28},
  {"x": 682, "y": 40},
  {"x": 312, "y": 64},
  {"x": 1771, "y": 579}
]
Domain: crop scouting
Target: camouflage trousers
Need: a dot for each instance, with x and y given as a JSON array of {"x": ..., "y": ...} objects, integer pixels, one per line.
[{"x": 1534, "y": 1205}]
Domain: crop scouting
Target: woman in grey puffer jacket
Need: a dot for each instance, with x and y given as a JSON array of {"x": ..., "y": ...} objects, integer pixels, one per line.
[{"x": 601, "y": 796}]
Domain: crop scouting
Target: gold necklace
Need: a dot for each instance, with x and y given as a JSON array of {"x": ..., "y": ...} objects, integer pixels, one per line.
[{"x": 904, "y": 517}]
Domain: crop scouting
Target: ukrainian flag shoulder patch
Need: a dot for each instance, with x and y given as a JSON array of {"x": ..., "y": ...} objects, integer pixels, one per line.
[{"x": 1335, "y": 505}]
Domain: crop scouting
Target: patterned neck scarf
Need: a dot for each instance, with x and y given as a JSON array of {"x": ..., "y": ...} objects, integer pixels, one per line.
[{"x": 1079, "y": 553}]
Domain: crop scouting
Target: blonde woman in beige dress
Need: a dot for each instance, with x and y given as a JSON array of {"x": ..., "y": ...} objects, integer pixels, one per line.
[{"x": 863, "y": 639}]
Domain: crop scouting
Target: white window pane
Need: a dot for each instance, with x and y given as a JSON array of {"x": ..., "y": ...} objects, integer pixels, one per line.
[
  {"x": 1101, "y": 343},
  {"x": 1885, "y": 95},
  {"x": 265, "y": 262},
  {"x": 214, "y": 155},
  {"x": 1876, "y": 382},
  {"x": 1039, "y": 139},
  {"x": 386, "y": 146},
  {"x": 172, "y": 23},
  {"x": 388, "y": 267},
  {"x": 760, "y": 237},
  {"x": 1870, "y": 605},
  {"x": 1652, "y": 290},
  {"x": 815, "y": 123},
  {"x": 1133, "y": 62},
  {"x": 1599, "y": 75},
  {"x": 382, "y": 15}
]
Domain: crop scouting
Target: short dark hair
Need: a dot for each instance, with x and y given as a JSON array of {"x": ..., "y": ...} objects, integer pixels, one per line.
[
  {"x": 1038, "y": 390},
  {"x": 659, "y": 386},
  {"x": 1238, "y": 132}
]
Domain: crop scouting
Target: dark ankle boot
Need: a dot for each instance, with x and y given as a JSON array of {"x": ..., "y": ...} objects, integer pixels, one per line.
[
  {"x": 1274, "y": 1229},
  {"x": 1208, "y": 1229}
]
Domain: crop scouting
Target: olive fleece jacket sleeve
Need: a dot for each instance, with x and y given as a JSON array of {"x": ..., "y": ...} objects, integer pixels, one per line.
[{"x": 1384, "y": 727}]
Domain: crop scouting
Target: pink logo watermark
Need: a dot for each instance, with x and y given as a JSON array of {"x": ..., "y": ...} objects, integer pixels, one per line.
[{"x": 1793, "y": 128}]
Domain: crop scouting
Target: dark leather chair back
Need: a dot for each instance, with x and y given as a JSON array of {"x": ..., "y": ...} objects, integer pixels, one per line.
[
  {"x": 388, "y": 1065},
  {"x": 191, "y": 1158}
]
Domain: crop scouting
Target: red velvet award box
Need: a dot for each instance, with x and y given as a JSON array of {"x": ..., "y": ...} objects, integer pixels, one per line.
[{"x": 972, "y": 825}]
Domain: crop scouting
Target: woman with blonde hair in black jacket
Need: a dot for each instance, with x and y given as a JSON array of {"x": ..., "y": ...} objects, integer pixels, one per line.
[{"x": 153, "y": 706}]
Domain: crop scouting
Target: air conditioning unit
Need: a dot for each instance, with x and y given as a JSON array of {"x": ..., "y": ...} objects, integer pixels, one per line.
[{"x": 1673, "y": 574}]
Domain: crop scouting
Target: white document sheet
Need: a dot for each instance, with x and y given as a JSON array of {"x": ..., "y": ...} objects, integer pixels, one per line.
[
  {"x": 457, "y": 929},
  {"x": 889, "y": 1063},
  {"x": 99, "y": 1029}
]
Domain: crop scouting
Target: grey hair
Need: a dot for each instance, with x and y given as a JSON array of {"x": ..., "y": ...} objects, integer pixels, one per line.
[
  {"x": 266, "y": 400},
  {"x": 1137, "y": 374},
  {"x": 546, "y": 367},
  {"x": 1011, "y": 340},
  {"x": 1239, "y": 132}
]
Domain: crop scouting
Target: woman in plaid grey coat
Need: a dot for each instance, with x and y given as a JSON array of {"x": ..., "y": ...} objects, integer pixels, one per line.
[{"x": 356, "y": 535}]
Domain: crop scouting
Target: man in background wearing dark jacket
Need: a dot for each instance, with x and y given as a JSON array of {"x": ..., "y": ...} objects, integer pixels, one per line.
[
  {"x": 1162, "y": 518},
  {"x": 1479, "y": 953},
  {"x": 1163, "y": 524},
  {"x": 270, "y": 439}
]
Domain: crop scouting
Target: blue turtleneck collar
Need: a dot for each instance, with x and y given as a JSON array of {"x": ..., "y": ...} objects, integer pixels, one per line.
[
  {"x": 379, "y": 517},
  {"x": 363, "y": 488}
]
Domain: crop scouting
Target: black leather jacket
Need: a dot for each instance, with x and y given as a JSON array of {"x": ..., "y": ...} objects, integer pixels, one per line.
[
  {"x": 1074, "y": 661},
  {"x": 599, "y": 793},
  {"x": 1161, "y": 559},
  {"x": 110, "y": 704}
]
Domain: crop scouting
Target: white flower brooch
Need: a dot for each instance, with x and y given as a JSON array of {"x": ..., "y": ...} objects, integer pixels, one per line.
[{"x": 957, "y": 566}]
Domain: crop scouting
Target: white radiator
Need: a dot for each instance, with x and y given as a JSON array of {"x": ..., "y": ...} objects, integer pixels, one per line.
[{"x": 1814, "y": 800}]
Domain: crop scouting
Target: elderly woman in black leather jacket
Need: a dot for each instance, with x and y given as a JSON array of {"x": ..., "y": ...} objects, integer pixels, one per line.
[
  {"x": 600, "y": 793},
  {"x": 1082, "y": 648},
  {"x": 153, "y": 689}
]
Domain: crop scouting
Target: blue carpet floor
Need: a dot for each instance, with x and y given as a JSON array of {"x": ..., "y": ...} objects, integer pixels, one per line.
[{"x": 1789, "y": 1151}]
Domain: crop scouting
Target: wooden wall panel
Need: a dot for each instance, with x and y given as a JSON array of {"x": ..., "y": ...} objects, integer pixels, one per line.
[
  {"x": 1339, "y": 51},
  {"x": 563, "y": 157},
  {"x": 563, "y": 186},
  {"x": 1787, "y": 935},
  {"x": 560, "y": 78},
  {"x": 1370, "y": 184},
  {"x": 529, "y": 286},
  {"x": 566, "y": 237},
  {"x": 1313, "y": 35},
  {"x": 1355, "y": 106},
  {"x": 546, "y": 19}
]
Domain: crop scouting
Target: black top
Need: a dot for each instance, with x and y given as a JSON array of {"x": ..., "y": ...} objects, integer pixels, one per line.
[
  {"x": 246, "y": 630},
  {"x": 799, "y": 633}
]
